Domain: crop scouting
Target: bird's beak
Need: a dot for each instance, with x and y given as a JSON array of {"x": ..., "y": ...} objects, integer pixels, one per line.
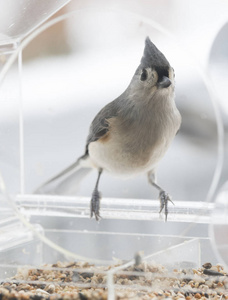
[{"x": 164, "y": 82}]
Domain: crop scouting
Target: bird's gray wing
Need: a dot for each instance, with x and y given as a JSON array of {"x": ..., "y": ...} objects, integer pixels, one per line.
[
  {"x": 100, "y": 125},
  {"x": 65, "y": 182}
]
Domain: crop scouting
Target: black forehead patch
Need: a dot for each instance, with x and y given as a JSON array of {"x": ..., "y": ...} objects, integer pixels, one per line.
[
  {"x": 153, "y": 58},
  {"x": 162, "y": 72}
]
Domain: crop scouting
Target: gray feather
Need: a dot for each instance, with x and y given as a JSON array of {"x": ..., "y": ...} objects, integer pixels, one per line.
[
  {"x": 100, "y": 125},
  {"x": 152, "y": 57},
  {"x": 66, "y": 182}
]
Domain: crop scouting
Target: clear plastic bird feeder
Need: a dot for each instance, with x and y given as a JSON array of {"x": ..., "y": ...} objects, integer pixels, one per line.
[{"x": 44, "y": 124}]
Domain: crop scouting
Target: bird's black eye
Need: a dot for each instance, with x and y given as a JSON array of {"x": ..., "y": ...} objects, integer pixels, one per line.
[{"x": 144, "y": 75}]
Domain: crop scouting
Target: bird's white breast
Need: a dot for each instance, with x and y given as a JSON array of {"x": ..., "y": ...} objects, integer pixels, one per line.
[
  {"x": 115, "y": 156},
  {"x": 136, "y": 147}
]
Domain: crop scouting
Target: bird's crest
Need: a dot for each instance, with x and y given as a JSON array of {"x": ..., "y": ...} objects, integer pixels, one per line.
[{"x": 153, "y": 58}]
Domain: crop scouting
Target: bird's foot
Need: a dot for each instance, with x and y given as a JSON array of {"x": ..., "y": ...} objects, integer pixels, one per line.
[
  {"x": 95, "y": 205},
  {"x": 164, "y": 198}
]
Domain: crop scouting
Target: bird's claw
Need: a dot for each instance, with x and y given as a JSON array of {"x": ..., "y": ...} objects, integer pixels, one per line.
[
  {"x": 95, "y": 205},
  {"x": 164, "y": 198}
]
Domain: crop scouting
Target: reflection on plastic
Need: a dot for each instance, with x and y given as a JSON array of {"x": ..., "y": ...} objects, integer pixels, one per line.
[
  {"x": 21, "y": 17},
  {"x": 219, "y": 225},
  {"x": 111, "y": 213}
]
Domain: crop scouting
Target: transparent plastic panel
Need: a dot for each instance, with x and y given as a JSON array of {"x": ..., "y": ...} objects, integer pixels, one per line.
[
  {"x": 189, "y": 251},
  {"x": 46, "y": 127},
  {"x": 51, "y": 238},
  {"x": 217, "y": 65},
  {"x": 21, "y": 17},
  {"x": 219, "y": 225},
  {"x": 10, "y": 95},
  {"x": 126, "y": 228},
  {"x": 18, "y": 245},
  {"x": 51, "y": 122}
]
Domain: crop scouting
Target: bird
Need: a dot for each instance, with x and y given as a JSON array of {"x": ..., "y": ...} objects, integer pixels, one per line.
[{"x": 131, "y": 134}]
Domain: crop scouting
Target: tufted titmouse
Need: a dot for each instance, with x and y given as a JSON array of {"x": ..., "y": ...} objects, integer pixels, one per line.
[{"x": 131, "y": 134}]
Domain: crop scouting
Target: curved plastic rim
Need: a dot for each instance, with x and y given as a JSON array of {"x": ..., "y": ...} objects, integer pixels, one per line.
[{"x": 201, "y": 71}]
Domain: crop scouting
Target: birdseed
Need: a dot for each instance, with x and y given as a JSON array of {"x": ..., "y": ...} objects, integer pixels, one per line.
[{"x": 83, "y": 281}]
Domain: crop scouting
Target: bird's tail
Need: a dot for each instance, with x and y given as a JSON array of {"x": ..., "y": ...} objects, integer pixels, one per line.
[{"x": 67, "y": 181}]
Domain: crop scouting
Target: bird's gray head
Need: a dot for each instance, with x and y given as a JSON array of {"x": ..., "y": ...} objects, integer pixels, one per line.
[
  {"x": 154, "y": 73},
  {"x": 153, "y": 58}
]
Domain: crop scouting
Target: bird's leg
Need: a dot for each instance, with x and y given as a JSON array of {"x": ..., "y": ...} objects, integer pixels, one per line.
[
  {"x": 163, "y": 196},
  {"x": 95, "y": 200}
]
